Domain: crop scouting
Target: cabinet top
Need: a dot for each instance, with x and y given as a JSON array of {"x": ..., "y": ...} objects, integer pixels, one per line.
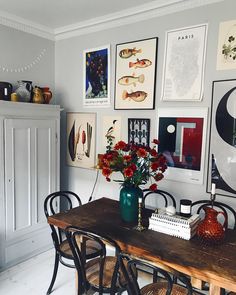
[{"x": 28, "y": 109}]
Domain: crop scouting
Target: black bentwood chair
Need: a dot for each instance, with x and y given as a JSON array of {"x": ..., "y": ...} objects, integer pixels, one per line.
[
  {"x": 159, "y": 195},
  {"x": 68, "y": 200},
  {"x": 164, "y": 285},
  {"x": 101, "y": 274}
]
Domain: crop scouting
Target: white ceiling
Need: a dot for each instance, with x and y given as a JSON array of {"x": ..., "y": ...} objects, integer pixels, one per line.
[
  {"x": 59, "y": 13},
  {"x": 58, "y": 19}
]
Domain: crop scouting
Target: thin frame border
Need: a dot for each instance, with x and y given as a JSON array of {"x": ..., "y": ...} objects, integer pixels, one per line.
[
  {"x": 108, "y": 103},
  {"x": 154, "y": 79}
]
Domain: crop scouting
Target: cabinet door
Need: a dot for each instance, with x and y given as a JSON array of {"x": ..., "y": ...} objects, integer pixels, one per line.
[{"x": 30, "y": 173}]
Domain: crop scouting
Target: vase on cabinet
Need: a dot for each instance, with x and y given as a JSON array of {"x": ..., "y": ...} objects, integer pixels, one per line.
[
  {"x": 37, "y": 95},
  {"x": 129, "y": 196},
  {"x": 24, "y": 90},
  {"x": 47, "y": 94}
]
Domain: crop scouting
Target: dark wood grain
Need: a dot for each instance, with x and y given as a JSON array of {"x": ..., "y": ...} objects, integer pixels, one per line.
[{"x": 213, "y": 264}]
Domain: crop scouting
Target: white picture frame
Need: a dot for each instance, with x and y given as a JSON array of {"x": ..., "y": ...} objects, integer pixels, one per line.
[
  {"x": 182, "y": 135},
  {"x": 184, "y": 64},
  {"x": 96, "y": 77}
]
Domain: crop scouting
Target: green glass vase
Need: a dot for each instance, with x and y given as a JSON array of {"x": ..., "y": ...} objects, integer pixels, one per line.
[{"x": 129, "y": 196}]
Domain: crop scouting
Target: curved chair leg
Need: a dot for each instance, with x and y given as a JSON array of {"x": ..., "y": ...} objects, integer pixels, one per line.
[{"x": 54, "y": 273}]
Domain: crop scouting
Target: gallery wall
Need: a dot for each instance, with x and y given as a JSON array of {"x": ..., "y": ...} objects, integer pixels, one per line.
[{"x": 69, "y": 91}]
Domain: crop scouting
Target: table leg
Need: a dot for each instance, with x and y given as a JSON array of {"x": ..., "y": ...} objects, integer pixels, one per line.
[{"x": 214, "y": 290}]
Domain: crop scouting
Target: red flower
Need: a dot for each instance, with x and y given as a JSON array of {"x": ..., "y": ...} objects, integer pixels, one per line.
[
  {"x": 154, "y": 166},
  {"x": 141, "y": 153},
  {"x": 106, "y": 171},
  {"x": 127, "y": 158},
  {"x": 121, "y": 145},
  {"x": 128, "y": 172},
  {"x": 158, "y": 176},
  {"x": 108, "y": 179},
  {"x": 156, "y": 141},
  {"x": 153, "y": 187},
  {"x": 133, "y": 166},
  {"x": 153, "y": 153}
]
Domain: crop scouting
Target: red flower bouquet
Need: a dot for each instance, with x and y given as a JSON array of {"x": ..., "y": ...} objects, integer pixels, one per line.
[{"x": 137, "y": 164}]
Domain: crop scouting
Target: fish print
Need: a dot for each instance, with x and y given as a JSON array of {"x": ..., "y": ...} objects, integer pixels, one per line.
[
  {"x": 129, "y": 80},
  {"x": 137, "y": 96},
  {"x": 140, "y": 63},
  {"x": 128, "y": 52}
]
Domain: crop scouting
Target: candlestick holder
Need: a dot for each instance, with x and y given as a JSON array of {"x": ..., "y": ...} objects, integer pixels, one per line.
[{"x": 140, "y": 227}]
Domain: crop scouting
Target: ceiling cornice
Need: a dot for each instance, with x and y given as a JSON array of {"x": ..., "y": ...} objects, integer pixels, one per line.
[
  {"x": 124, "y": 17},
  {"x": 26, "y": 26}
]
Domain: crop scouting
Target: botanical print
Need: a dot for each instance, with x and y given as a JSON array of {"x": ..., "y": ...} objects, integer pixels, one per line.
[
  {"x": 96, "y": 76},
  {"x": 139, "y": 131},
  {"x": 226, "y": 54},
  {"x": 183, "y": 71},
  {"x": 111, "y": 131},
  {"x": 182, "y": 135},
  {"x": 135, "y": 74},
  {"x": 222, "y": 153},
  {"x": 81, "y": 139}
]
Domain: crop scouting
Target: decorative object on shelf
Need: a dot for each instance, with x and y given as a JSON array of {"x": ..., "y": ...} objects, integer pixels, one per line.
[
  {"x": 37, "y": 95},
  {"x": 139, "y": 131},
  {"x": 47, "y": 94},
  {"x": 24, "y": 90},
  {"x": 81, "y": 129},
  {"x": 5, "y": 91},
  {"x": 182, "y": 135},
  {"x": 140, "y": 227},
  {"x": 210, "y": 230},
  {"x": 14, "y": 97},
  {"x": 185, "y": 207},
  {"x": 184, "y": 63},
  {"x": 222, "y": 147},
  {"x": 138, "y": 165},
  {"x": 96, "y": 83},
  {"x": 136, "y": 74}
]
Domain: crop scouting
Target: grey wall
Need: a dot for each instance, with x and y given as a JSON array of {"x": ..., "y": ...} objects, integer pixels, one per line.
[
  {"x": 68, "y": 79},
  {"x": 19, "y": 50}
]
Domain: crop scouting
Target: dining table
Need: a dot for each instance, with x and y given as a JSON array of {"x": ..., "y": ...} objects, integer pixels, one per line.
[{"x": 214, "y": 264}]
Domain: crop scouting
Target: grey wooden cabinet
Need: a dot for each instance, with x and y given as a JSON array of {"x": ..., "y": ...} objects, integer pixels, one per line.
[{"x": 29, "y": 171}]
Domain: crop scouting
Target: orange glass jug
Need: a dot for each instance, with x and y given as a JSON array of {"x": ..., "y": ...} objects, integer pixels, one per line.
[{"x": 210, "y": 230}]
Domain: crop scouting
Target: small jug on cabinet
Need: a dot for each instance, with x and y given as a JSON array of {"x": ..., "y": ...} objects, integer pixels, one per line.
[
  {"x": 47, "y": 94},
  {"x": 38, "y": 95},
  {"x": 210, "y": 230}
]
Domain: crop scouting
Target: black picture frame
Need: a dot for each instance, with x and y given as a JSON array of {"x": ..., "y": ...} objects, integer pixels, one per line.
[
  {"x": 135, "y": 75},
  {"x": 139, "y": 131}
]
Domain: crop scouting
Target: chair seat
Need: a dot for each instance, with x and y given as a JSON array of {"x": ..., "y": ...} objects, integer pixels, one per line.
[
  {"x": 92, "y": 249},
  {"x": 160, "y": 288},
  {"x": 92, "y": 272}
]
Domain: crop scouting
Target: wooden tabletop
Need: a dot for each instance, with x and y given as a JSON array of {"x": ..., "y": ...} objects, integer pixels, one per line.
[{"x": 213, "y": 264}]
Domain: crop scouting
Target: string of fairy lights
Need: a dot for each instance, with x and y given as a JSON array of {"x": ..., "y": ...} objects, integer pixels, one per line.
[{"x": 23, "y": 68}]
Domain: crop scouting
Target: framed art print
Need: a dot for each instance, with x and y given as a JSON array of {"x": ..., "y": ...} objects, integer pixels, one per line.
[
  {"x": 182, "y": 136},
  {"x": 139, "y": 131},
  {"x": 96, "y": 78},
  {"x": 184, "y": 64},
  {"x": 135, "y": 74},
  {"x": 222, "y": 152},
  {"x": 111, "y": 130},
  {"x": 226, "y": 53},
  {"x": 81, "y": 131}
]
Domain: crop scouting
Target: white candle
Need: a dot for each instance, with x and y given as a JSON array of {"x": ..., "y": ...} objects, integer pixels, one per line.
[
  {"x": 213, "y": 188},
  {"x": 140, "y": 200}
]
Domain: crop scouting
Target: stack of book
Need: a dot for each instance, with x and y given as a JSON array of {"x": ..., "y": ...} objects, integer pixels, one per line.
[{"x": 174, "y": 225}]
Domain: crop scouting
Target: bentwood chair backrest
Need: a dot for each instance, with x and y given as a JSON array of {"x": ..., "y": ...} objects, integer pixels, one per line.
[
  {"x": 101, "y": 273},
  {"x": 229, "y": 211},
  {"x": 66, "y": 200},
  {"x": 166, "y": 197},
  {"x": 164, "y": 286}
]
